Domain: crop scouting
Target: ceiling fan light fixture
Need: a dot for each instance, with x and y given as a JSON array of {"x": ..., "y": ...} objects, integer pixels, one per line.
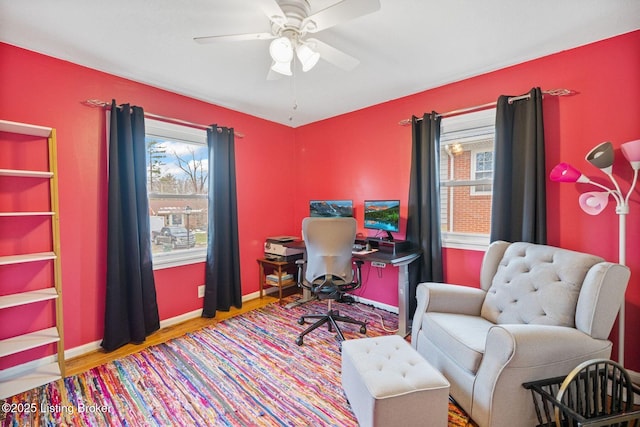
[
  {"x": 281, "y": 50},
  {"x": 282, "y": 68},
  {"x": 307, "y": 56}
]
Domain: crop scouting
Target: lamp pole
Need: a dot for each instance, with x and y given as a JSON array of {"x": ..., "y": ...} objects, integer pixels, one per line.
[{"x": 593, "y": 203}]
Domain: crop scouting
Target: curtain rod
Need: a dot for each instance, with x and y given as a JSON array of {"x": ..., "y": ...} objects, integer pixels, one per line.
[
  {"x": 103, "y": 104},
  {"x": 552, "y": 92}
]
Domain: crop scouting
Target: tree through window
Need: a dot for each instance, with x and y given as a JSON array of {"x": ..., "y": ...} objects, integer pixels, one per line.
[{"x": 177, "y": 185}]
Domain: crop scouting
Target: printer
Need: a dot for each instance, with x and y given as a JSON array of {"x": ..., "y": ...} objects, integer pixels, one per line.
[{"x": 275, "y": 249}]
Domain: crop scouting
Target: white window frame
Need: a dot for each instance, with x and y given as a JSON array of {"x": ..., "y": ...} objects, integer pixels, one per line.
[
  {"x": 190, "y": 135},
  {"x": 466, "y": 127},
  {"x": 474, "y": 157}
]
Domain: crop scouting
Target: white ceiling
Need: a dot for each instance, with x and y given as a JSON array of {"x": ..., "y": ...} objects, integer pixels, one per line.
[{"x": 406, "y": 47}]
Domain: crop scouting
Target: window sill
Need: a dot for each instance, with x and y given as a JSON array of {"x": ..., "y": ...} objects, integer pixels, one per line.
[
  {"x": 187, "y": 257},
  {"x": 466, "y": 241}
]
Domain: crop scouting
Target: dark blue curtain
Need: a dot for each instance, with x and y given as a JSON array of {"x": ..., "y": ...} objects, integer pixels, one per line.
[
  {"x": 519, "y": 206},
  {"x": 131, "y": 310},
  {"x": 222, "y": 274},
  {"x": 423, "y": 222}
]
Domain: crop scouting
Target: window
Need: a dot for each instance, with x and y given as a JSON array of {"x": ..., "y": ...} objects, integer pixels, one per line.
[
  {"x": 177, "y": 186},
  {"x": 466, "y": 173},
  {"x": 481, "y": 168}
]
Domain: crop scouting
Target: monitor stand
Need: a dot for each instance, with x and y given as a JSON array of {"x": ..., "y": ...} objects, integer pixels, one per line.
[
  {"x": 388, "y": 238},
  {"x": 388, "y": 245}
]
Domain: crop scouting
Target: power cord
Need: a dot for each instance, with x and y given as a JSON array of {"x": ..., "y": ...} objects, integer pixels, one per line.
[{"x": 373, "y": 311}]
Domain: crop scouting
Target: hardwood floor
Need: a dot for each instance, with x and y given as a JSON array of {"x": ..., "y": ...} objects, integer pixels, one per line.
[{"x": 99, "y": 357}]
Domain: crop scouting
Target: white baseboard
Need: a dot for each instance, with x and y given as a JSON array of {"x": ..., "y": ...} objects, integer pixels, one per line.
[
  {"x": 91, "y": 347},
  {"x": 180, "y": 318},
  {"x": 377, "y": 304},
  {"x": 95, "y": 345},
  {"x": 82, "y": 349}
]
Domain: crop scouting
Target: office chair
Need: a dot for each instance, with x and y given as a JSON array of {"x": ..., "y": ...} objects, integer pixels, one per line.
[{"x": 329, "y": 269}]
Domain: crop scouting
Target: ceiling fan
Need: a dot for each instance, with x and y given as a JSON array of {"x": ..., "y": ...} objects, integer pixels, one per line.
[{"x": 291, "y": 21}]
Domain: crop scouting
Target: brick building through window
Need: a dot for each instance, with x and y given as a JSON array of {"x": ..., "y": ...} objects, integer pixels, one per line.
[{"x": 466, "y": 172}]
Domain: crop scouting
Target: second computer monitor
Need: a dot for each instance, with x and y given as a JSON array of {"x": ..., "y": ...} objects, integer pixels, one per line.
[{"x": 382, "y": 215}]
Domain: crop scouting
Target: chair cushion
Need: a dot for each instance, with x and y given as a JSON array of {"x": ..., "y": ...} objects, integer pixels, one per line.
[
  {"x": 537, "y": 284},
  {"x": 461, "y": 336}
]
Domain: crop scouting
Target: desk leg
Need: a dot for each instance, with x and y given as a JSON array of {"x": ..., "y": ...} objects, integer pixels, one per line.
[{"x": 403, "y": 300}]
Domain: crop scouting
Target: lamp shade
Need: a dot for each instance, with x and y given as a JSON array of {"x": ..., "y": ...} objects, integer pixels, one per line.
[
  {"x": 564, "y": 172},
  {"x": 282, "y": 68},
  {"x": 631, "y": 151},
  {"x": 307, "y": 56},
  {"x": 594, "y": 202},
  {"x": 601, "y": 157},
  {"x": 281, "y": 50}
]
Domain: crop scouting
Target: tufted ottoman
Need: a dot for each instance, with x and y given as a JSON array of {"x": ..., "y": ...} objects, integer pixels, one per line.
[{"x": 388, "y": 383}]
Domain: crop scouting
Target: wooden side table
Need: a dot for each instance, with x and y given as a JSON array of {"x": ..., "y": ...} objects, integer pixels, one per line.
[{"x": 279, "y": 268}]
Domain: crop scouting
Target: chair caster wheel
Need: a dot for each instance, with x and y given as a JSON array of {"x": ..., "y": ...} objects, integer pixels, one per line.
[
  {"x": 363, "y": 329},
  {"x": 301, "y": 321},
  {"x": 299, "y": 340}
]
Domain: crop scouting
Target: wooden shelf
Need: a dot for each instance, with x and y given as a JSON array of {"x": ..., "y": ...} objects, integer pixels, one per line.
[
  {"x": 28, "y": 341},
  {"x": 17, "y": 259},
  {"x": 14, "y": 300},
  {"x": 25, "y": 173},
  {"x": 29, "y": 380},
  {"x": 34, "y": 373},
  {"x": 24, "y": 128},
  {"x": 27, "y": 213},
  {"x": 283, "y": 283}
]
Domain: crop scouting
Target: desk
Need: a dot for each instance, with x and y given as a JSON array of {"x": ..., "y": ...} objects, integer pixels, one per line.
[{"x": 400, "y": 260}]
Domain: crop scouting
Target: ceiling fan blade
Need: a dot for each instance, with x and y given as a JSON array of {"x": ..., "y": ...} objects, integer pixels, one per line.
[
  {"x": 276, "y": 16},
  {"x": 233, "y": 37},
  {"x": 333, "y": 55},
  {"x": 338, "y": 13},
  {"x": 274, "y": 12}
]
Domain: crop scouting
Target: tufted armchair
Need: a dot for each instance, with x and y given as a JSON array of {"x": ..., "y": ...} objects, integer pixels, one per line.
[{"x": 539, "y": 312}]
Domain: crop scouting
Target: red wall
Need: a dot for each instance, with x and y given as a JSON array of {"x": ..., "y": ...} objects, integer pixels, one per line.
[
  {"x": 361, "y": 155},
  {"x": 41, "y": 90},
  {"x": 366, "y": 154}
]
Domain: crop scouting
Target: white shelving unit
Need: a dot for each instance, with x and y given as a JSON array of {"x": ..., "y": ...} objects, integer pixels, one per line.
[{"x": 32, "y": 374}]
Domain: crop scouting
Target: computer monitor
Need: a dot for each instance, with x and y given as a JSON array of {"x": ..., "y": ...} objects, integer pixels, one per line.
[
  {"x": 382, "y": 215},
  {"x": 331, "y": 208}
]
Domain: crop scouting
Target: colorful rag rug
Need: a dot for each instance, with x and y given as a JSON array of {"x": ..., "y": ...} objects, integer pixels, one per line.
[{"x": 244, "y": 371}]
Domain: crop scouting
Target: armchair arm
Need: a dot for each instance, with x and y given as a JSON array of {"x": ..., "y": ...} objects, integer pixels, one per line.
[
  {"x": 515, "y": 354},
  {"x": 445, "y": 298},
  {"x": 527, "y": 346}
]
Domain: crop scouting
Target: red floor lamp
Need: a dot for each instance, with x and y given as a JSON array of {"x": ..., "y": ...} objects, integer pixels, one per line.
[{"x": 594, "y": 202}]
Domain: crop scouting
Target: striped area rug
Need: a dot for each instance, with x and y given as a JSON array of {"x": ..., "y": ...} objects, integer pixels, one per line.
[{"x": 244, "y": 371}]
